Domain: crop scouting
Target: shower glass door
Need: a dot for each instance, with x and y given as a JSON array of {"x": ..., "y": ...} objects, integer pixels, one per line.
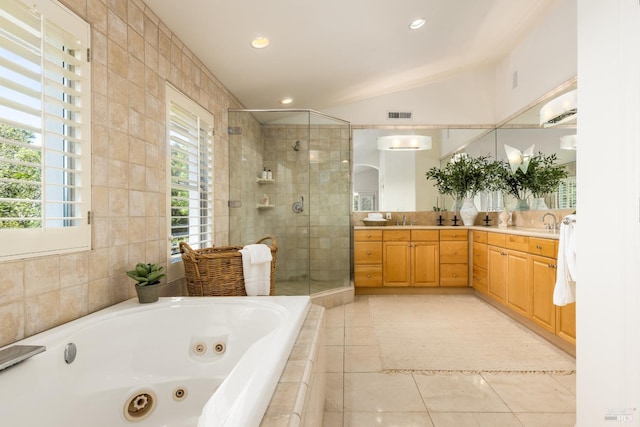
[{"x": 304, "y": 202}]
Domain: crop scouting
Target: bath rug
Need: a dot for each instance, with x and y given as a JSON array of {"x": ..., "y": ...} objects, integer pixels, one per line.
[{"x": 441, "y": 333}]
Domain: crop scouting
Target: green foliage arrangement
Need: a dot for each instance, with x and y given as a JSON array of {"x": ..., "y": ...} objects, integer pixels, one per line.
[
  {"x": 542, "y": 177},
  {"x": 465, "y": 176},
  {"x": 20, "y": 178},
  {"x": 146, "y": 274}
]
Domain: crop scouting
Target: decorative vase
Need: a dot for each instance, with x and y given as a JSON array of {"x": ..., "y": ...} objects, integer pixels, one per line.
[
  {"x": 504, "y": 218},
  {"x": 147, "y": 293},
  {"x": 522, "y": 205},
  {"x": 468, "y": 211},
  {"x": 538, "y": 204}
]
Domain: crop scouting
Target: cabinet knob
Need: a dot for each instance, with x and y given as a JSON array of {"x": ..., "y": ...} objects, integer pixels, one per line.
[
  {"x": 454, "y": 275},
  {"x": 368, "y": 252},
  {"x": 368, "y": 276},
  {"x": 538, "y": 247},
  {"x": 369, "y": 235},
  {"x": 454, "y": 235},
  {"x": 454, "y": 252}
]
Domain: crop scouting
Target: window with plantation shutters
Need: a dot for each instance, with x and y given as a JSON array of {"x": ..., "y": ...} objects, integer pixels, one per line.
[
  {"x": 190, "y": 148},
  {"x": 45, "y": 130}
]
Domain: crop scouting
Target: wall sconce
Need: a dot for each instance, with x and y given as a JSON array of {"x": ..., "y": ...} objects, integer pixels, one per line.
[
  {"x": 559, "y": 110},
  {"x": 569, "y": 142},
  {"x": 518, "y": 159},
  {"x": 404, "y": 142}
]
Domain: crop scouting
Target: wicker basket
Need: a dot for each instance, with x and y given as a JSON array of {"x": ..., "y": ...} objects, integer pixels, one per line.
[{"x": 217, "y": 271}]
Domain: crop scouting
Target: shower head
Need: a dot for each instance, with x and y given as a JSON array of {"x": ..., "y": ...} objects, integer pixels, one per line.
[{"x": 297, "y": 146}]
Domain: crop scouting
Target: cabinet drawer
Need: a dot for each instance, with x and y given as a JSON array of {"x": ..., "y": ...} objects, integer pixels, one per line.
[
  {"x": 396, "y": 235},
  {"x": 454, "y": 275},
  {"x": 367, "y": 235},
  {"x": 454, "y": 252},
  {"x": 480, "y": 255},
  {"x": 367, "y": 253},
  {"x": 453, "y": 235},
  {"x": 367, "y": 275},
  {"x": 496, "y": 239},
  {"x": 518, "y": 243},
  {"x": 424, "y": 235},
  {"x": 544, "y": 247},
  {"x": 479, "y": 236}
]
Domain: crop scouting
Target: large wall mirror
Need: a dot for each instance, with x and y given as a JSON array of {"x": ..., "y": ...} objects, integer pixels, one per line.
[{"x": 393, "y": 180}]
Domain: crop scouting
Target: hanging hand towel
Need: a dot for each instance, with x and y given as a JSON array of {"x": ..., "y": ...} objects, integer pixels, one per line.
[
  {"x": 256, "y": 268},
  {"x": 564, "y": 291}
]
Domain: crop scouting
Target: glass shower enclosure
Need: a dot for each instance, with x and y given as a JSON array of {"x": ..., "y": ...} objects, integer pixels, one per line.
[{"x": 290, "y": 178}]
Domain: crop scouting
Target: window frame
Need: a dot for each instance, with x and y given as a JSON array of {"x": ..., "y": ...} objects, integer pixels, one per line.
[{"x": 55, "y": 236}]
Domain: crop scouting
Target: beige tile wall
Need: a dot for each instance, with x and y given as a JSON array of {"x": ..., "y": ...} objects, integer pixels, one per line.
[{"x": 133, "y": 55}]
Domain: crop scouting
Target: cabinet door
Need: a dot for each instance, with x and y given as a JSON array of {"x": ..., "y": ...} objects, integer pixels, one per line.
[
  {"x": 497, "y": 259},
  {"x": 425, "y": 264},
  {"x": 518, "y": 282},
  {"x": 479, "y": 255},
  {"x": 566, "y": 322},
  {"x": 543, "y": 278},
  {"x": 396, "y": 260}
]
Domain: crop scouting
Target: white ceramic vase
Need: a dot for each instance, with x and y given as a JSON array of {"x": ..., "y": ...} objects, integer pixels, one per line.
[
  {"x": 538, "y": 204},
  {"x": 504, "y": 218},
  {"x": 468, "y": 211}
]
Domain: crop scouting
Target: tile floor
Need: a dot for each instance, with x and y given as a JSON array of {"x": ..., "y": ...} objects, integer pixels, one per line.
[{"x": 359, "y": 393}]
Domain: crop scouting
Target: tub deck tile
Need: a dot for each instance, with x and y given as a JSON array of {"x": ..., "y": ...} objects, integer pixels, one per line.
[{"x": 303, "y": 379}]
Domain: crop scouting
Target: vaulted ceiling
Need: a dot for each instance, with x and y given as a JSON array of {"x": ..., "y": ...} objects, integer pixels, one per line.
[{"x": 327, "y": 54}]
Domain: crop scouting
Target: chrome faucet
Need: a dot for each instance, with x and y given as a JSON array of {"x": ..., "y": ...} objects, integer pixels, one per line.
[
  {"x": 555, "y": 221},
  {"x": 404, "y": 219}
]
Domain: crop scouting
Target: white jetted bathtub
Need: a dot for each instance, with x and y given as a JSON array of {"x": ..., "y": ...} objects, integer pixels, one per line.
[{"x": 180, "y": 362}]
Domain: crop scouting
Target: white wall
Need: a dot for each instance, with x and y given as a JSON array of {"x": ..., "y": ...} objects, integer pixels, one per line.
[
  {"x": 464, "y": 98},
  {"x": 608, "y": 287},
  {"x": 545, "y": 59}
]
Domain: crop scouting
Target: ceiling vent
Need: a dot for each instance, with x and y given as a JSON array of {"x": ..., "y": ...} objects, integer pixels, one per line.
[{"x": 396, "y": 115}]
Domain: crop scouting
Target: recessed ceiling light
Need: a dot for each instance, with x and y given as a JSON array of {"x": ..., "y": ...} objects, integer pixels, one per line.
[
  {"x": 417, "y": 23},
  {"x": 260, "y": 42},
  {"x": 286, "y": 101}
]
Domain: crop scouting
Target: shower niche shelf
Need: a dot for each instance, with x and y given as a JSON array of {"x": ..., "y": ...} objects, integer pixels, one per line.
[
  {"x": 265, "y": 181},
  {"x": 261, "y": 206}
]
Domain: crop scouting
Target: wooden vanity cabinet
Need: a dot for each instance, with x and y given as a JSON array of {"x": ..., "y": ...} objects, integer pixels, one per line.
[
  {"x": 497, "y": 273},
  {"x": 566, "y": 322},
  {"x": 454, "y": 257},
  {"x": 521, "y": 273},
  {"x": 396, "y": 255},
  {"x": 480, "y": 262},
  {"x": 508, "y": 271},
  {"x": 543, "y": 279},
  {"x": 425, "y": 257},
  {"x": 410, "y": 258},
  {"x": 518, "y": 282},
  {"x": 367, "y": 258}
]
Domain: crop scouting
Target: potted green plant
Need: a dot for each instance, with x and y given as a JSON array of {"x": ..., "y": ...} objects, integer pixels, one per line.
[
  {"x": 147, "y": 277},
  {"x": 541, "y": 177},
  {"x": 464, "y": 177}
]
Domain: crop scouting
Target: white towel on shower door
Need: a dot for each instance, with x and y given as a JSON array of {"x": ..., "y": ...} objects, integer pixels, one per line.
[
  {"x": 564, "y": 291},
  {"x": 256, "y": 268}
]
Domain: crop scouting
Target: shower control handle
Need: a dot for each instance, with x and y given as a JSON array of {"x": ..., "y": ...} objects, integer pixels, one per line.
[{"x": 298, "y": 207}]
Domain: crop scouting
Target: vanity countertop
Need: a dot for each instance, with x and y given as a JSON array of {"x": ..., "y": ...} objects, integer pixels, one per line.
[{"x": 523, "y": 231}]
